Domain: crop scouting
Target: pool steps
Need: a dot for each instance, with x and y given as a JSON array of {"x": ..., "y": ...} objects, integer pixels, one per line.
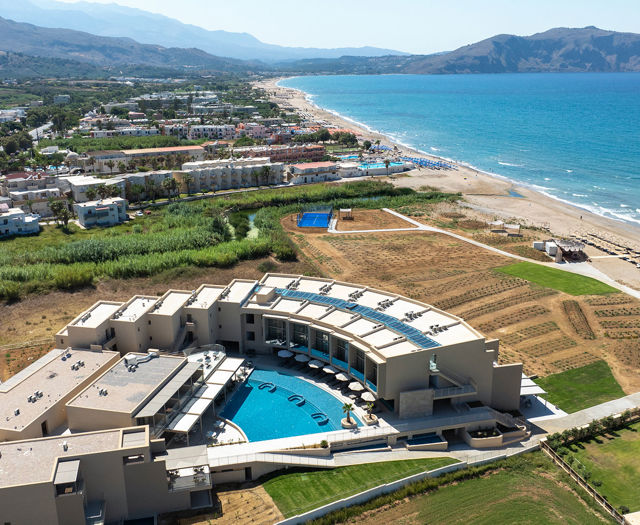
[
  {"x": 270, "y": 386},
  {"x": 320, "y": 417},
  {"x": 298, "y": 399}
]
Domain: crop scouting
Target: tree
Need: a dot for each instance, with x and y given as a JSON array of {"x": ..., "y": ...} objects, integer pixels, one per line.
[
  {"x": 151, "y": 188},
  {"x": 60, "y": 212},
  {"x": 91, "y": 193},
  {"x": 122, "y": 167},
  {"x": 103, "y": 191},
  {"x": 110, "y": 164},
  {"x": 346, "y": 409},
  {"x": 187, "y": 178},
  {"x": 92, "y": 163},
  {"x": 114, "y": 191},
  {"x": 169, "y": 185},
  {"x": 265, "y": 173},
  {"x": 387, "y": 162},
  {"x": 366, "y": 145},
  {"x": 135, "y": 190},
  {"x": 30, "y": 205}
]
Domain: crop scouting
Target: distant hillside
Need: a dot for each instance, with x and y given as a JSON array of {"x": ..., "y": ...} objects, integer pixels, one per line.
[
  {"x": 150, "y": 28},
  {"x": 560, "y": 49},
  {"x": 105, "y": 51}
]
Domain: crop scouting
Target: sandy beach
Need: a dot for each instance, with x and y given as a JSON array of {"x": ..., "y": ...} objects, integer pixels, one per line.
[{"x": 489, "y": 195}]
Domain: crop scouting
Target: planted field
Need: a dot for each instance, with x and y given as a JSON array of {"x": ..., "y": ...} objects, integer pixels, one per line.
[
  {"x": 613, "y": 461},
  {"x": 298, "y": 491},
  {"x": 567, "y": 282},
  {"x": 577, "y": 319},
  {"x": 525, "y": 490},
  {"x": 582, "y": 387}
]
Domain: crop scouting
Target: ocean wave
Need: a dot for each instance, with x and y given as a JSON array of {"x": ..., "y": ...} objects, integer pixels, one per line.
[
  {"x": 569, "y": 171},
  {"x": 547, "y": 178},
  {"x": 434, "y": 149},
  {"x": 579, "y": 195},
  {"x": 511, "y": 165},
  {"x": 624, "y": 205}
]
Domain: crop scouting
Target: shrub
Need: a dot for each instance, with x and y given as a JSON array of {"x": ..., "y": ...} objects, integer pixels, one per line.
[{"x": 267, "y": 266}]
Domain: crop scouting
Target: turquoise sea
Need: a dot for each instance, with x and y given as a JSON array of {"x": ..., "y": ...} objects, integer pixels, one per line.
[{"x": 575, "y": 137}]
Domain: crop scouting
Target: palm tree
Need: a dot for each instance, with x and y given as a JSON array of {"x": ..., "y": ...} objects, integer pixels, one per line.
[
  {"x": 265, "y": 172},
  {"x": 103, "y": 191},
  {"x": 387, "y": 162},
  {"x": 346, "y": 409},
  {"x": 136, "y": 190},
  {"x": 30, "y": 205},
  {"x": 91, "y": 193},
  {"x": 115, "y": 191},
  {"x": 110, "y": 164},
  {"x": 122, "y": 167},
  {"x": 187, "y": 178},
  {"x": 150, "y": 189},
  {"x": 92, "y": 163}
]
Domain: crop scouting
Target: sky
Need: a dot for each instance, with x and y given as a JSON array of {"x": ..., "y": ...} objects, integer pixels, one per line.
[{"x": 414, "y": 26}]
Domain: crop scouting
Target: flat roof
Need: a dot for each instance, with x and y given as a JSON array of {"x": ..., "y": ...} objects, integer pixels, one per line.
[
  {"x": 168, "y": 390},
  {"x": 135, "y": 308},
  {"x": 54, "y": 378},
  {"x": 287, "y": 305},
  {"x": 128, "y": 390},
  {"x": 239, "y": 291},
  {"x": 206, "y": 296},
  {"x": 34, "y": 461},
  {"x": 170, "y": 303},
  {"x": 96, "y": 315}
]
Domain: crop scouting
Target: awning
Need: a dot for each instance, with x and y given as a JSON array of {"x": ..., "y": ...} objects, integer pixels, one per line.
[
  {"x": 167, "y": 392},
  {"x": 231, "y": 363},
  {"x": 209, "y": 391},
  {"x": 197, "y": 406},
  {"x": 528, "y": 387},
  {"x": 183, "y": 423},
  {"x": 220, "y": 377}
]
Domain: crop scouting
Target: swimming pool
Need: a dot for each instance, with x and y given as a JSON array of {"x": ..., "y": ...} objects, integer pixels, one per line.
[
  {"x": 271, "y": 405},
  {"x": 379, "y": 165}
]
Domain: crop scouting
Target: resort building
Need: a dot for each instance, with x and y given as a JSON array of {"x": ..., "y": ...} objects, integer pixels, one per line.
[
  {"x": 14, "y": 221},
  {"x": 223, "y": 174},
  {"x": 79, "y": 184},
  {"x": 308, "y": 173},
  {"x": 113, "y": 424},
  {"x": 104, "y": 212},
  {"x": 292, "y": 153}
]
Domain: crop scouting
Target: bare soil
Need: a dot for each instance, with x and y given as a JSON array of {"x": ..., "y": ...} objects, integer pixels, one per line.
[{"x": 371, "y": 220}]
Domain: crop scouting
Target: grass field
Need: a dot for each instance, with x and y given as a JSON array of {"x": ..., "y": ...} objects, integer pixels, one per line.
[
  {"x": 614, "y": 460},
  {"x": 301, "y": 491},
  {"x": 581, "y": 387},
  {"x": 567, "y": 282}
]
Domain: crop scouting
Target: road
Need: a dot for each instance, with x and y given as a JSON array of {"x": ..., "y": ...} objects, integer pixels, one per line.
[{"x": 36, "y": 134}]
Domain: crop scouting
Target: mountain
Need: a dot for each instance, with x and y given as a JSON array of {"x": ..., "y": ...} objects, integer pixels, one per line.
[
  {"x": 149, "y": 28},
  {"x": 556, "y": 50},
  {"x": 105, "y": 51}
]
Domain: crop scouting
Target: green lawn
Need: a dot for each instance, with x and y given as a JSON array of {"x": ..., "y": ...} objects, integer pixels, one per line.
[
  {"x": 581, "y": 387},
  {"x": 300, "y": 491},
  {"x": 614, "y": 460},
  {"x": 529, "y": 495},
  {"x": 567, "y": 282}
]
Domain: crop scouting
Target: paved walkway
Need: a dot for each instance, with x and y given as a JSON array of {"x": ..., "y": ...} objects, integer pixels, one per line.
[
  {"x": 586, "y": 416},
  {"x": 584, "y": 268}
]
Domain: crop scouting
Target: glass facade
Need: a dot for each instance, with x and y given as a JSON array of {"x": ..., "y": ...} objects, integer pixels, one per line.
[
  {"x": 341, "y": 354},
  {"x": 372, "y": 375},
  {"x": 276, "y": 330},
  {"x": 299, "y": 334},
  {"x": 320, "y": 344}
]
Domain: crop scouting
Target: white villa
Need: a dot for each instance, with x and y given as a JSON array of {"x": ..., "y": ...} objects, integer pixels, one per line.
[
  {"x": 104, "y": 212},
  {"x": 14, "y": 221}
]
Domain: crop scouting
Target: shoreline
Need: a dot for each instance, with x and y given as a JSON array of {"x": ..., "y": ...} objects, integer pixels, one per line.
[{"x": 486, "y": 193}]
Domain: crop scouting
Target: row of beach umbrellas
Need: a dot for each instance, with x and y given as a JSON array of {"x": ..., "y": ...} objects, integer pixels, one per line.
[{"x": 354, "y": 385}]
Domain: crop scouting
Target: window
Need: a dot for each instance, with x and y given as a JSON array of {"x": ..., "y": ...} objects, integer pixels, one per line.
[
  {"x": 251, "y": 336},
  {"x": 276, "y": 330},
  {"x": 299, "y": 334},
  {"x": 250, "y": 319}
]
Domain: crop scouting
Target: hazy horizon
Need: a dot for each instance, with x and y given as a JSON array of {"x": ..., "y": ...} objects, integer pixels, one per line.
[{"x": 412, "y": 26}]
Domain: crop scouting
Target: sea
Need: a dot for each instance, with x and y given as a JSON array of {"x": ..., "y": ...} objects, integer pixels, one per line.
[{"x": 572, "y": 136}]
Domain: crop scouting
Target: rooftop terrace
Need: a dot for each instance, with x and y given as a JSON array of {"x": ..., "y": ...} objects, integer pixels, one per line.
[{"x": 128, "y": 390}]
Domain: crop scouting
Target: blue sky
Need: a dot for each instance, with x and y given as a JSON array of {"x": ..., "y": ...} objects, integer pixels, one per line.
[{"x": 416, "y": 26}]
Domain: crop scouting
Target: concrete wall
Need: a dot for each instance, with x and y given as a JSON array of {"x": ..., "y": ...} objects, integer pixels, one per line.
[
  {"x": 29, "y": 505},
  {"x": 85, "y": 419},
  {"x": 70, "y": 509},
  {"x": 506, "y": 386},
  {"x": 416, "y": 403},
  {"x": 133, "y": 336},
  {"x": 164, "y": 330}
]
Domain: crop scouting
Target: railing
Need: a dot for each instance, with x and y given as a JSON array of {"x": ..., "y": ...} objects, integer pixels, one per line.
[
  {"x": 320, "y": 354},
  {"x": 355, "y": 373},
  {"x": 199, "y": 480},
  {"x": 443, "y": 393},
  {"x": 583, "y": 483},
  {"x": 371, "y": 385}
]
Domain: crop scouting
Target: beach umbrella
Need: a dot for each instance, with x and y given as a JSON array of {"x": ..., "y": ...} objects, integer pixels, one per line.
[
  {"x": 368, "y": 396},
  {"x": 285, "y": 353},
  {"x": 341, "y": 377},
  {"x": 315, "y": 364},
  {"x": 355, "y": 386},
  {"x": 301, "y": 358},
  {"x": 330, "y": 370}
]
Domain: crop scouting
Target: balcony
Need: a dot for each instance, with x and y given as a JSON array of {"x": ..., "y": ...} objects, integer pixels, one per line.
[
  {"x": 320, "y": 354},
  {"x": 453, "y": 391},
  {"x": 276, "y": 342},
  {"x": 339, "y": 363},
  {"x": 189, "y": 479},
  {"x": 371, "y": 386},
  {"x": 358, "y": 375}
]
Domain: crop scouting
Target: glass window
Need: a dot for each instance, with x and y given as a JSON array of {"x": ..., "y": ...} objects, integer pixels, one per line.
[
  {"x": 250, "y": 319},
  {"x": 276, "y": 330},
  {"x": 299, "y": 334}
]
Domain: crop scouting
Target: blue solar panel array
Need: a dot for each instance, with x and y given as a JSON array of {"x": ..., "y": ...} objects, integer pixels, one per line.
[{"x": 412, "y": 334}]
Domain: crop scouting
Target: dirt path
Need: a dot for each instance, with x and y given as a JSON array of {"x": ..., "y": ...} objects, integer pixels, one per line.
[{"x": 247, "y": 505}]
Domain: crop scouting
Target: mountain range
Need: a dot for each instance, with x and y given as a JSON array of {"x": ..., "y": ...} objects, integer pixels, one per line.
[
  {"x": 556, "y": 50},
  {"x": 149, "y": 28}
]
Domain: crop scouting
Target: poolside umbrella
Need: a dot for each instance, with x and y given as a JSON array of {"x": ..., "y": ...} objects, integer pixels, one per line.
[
  {"x": 301, "y": 358},
  {"x": 329, "y": 370},
  {"x": 341, "y": 377},
  {"x": 315, "y": 364},
  {"x": 355, "y": 386},
  {"x": 368, "y": 396},
  {"x": 285, "y": 353}
]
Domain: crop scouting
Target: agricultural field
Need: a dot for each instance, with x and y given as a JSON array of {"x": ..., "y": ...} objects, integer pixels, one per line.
[
  {"x": 547, "y": 329},
  {"x": 613, "y": 460},
  {"x": 582, "y": 387},
  {"x": 295, "y": 492},
  {"x": 527, "y": 490}
]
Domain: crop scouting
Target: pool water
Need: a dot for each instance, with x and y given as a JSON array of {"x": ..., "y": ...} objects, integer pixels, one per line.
[
  {"x": 267, "y": 412},
  {"x": 379, "y": 165}
]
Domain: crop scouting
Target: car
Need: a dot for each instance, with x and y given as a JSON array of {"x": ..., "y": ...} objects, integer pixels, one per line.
[
  {"x": 139, "y": 213},
  {"x": 147, "y": 212}
]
